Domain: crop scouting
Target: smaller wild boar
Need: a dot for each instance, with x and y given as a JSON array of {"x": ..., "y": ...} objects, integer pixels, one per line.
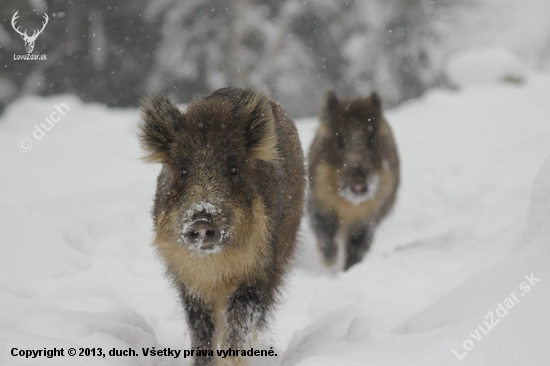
[
  {"x": 353, "y": 177},
  {"x": 227, "y": 210}
]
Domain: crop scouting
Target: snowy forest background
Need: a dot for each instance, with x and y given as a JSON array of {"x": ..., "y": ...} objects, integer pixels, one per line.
[{"x": 113, "y": 52}]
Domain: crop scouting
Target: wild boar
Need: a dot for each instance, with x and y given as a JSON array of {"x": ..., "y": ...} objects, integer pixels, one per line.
[
  {"x": 353, "y": 177},
  {"x": 227, "y": 210}
]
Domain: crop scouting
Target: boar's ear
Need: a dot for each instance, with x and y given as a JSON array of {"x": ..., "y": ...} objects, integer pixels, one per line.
[
  {"x": 255, "y": 110},
  {"x": 158, "y": 123},
  {"x": 331, "y": 101},
  {"x": 375, "y": 106},
  {"x": 376, "y": 100}
]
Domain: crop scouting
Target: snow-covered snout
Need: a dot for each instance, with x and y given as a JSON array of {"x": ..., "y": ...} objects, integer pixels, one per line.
[
  {"x": 204, "y": 228},
  {"x": 359, "y": 186},
  {"x": 359, "y": 171},
  {"x": 202, "y": 231}
]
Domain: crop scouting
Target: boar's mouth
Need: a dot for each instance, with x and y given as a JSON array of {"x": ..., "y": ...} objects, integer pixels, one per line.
[
  {"x": 200, "y": 232},
  {"x": 202, "y": 235},
  {"x": 358, "y": 191},
  {"x": 203, "y": 232}
]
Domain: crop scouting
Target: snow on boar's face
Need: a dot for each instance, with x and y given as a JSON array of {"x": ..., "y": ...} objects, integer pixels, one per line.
[
  {"x": 212, "y": 154},
  {"x": 351, "y": 128}
]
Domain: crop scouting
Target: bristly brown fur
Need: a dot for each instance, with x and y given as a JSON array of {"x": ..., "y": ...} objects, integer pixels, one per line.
[
  {"x": 353, "y": 144},
  {"x": 237, "y": 152}
]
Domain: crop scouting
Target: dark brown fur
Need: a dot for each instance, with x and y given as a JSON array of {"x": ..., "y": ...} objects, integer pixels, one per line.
[
  {"x": 235, "y": 158},
  {"x": 353, "y": 145}
]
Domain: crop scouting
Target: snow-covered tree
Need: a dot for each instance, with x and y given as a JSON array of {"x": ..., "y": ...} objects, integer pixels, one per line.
[
  {"x": 211, "y": 44},
  {"x": 115, "y": 51},
  {"x": 395, "y": 48}
]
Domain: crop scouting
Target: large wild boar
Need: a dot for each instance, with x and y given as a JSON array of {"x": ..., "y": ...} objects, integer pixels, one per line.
[
  {"x": 227, "y": 209},
  {"x": 353, "y": 177}
]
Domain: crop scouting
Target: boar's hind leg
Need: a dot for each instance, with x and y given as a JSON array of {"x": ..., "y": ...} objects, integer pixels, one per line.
[
  {"x": 325, "y": 226},
  {"x": 358, "y": 244},
  {"x": 201, "y": 324},
  {"x": 245, "y": 313}
]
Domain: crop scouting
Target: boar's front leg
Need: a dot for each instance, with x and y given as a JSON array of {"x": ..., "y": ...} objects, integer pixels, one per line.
[
  {"x": 358, "y": 243},
  {"x": 246, "y": 313},
  {"x": 326, "y": 226},
  {"x": 201, "y": 323}
]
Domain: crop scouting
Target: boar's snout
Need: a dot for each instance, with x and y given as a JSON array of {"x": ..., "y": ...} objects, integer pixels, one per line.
[
  {"x": 359, "y": 187},
  {"x": 203, "y": 232}
]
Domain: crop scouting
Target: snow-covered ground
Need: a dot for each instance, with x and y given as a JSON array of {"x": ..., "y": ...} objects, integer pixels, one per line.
[{"x": 471, "y": 221}]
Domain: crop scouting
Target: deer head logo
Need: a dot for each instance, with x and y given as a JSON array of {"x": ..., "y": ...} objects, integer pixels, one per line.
[{"x": 29, "y": 40}]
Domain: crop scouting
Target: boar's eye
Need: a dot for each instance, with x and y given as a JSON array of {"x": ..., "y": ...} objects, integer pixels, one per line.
[
  {"x": 232, "y": 167},
  {"x": 185, "y": 172},
  {"x": 184, "y": 169},
  {"x": 340, "y": 141}
]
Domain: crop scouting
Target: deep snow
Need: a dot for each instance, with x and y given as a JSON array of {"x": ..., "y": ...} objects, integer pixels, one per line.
[{"x": 471, "y": 220}]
